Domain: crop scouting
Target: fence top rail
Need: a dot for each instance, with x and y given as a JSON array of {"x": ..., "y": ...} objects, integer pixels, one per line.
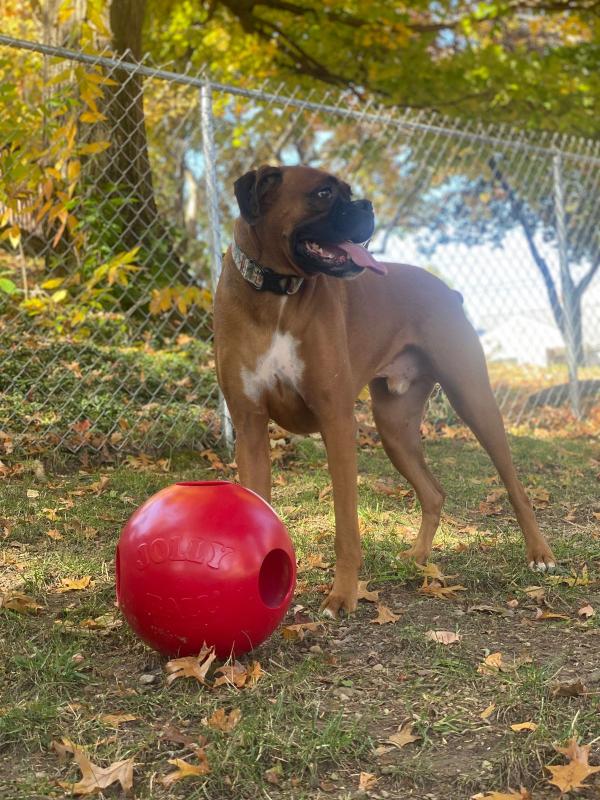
[{"x": 382, "y": 115}]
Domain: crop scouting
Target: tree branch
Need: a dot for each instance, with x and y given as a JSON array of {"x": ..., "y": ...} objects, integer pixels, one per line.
[
  {"x": 518, "y": 211},
  {"x": 587, "y": 278}
]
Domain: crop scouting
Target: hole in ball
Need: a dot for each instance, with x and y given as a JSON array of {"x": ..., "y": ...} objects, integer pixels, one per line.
[{"x": 275, "y": 578}]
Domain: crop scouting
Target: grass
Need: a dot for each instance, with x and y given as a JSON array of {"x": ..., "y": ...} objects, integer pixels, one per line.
[{"x": 327, "y": 704}]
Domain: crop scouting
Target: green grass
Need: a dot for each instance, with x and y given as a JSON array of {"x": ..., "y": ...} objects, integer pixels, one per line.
[{"x": 326, "y": 703}]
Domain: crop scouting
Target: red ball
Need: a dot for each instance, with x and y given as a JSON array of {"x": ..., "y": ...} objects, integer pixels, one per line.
[{"x": 204, "y": 562}]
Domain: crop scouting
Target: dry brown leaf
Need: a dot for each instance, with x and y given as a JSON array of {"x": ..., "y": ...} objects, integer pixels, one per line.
[
  {"x": 542, "y": 615},
  {"x": 54, "y": 534},
  {"x": 524, "y": 726},
  {"x": 540, "y": 498},
  {"x": 296, "y": 632},
  {"x": 571, "y": 689},
  {"x": 233, "y": 674},
  {"x": 537, "y": 593},
  {"x": 19, "y": 602},
  {"x": 431, "y": 570},
  {"x": 384, "y": 615},
  {"x": 314, "y": 561},
  {"x": 491, "y": 664},
  {"x": 93, "y": 777},
  {"x": 443, "y": 637},
  {"x": 105, "y": 622},
  {"x": 365, "y": 594},
  {"x": 187, "y": 770},
  {"x": 571, "y": 776},
  {"x": 404, "y": 736},
  {"x": 220, "y": 720},
  {"x": 586, "y": 612},
  {"x": 441, "y": 592},
  {"x": 191, "y": 666},
  {"x": 487, "y": 712},
  {"x": 366, "y": 781},
  {"x": 254, "y": 673},
  {"x": 116, "y": 719},
  {"x": 32, "y": 494},
  {"x": 74, "y": 584},
  {"x": 325, "y": 491}
]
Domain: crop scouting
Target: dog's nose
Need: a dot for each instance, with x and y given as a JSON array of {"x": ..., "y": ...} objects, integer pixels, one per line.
[{"x": 364, "y": 205}]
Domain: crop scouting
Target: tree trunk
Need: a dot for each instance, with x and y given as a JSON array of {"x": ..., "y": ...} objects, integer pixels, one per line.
[{"x": 128, "y": 172}]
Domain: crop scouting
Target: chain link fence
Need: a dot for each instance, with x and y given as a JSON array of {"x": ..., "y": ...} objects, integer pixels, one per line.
[{"x": 116, "y": 198}]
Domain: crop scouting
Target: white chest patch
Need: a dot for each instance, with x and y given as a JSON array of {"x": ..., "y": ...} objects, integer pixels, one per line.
[{"x": 281, "y": 362}]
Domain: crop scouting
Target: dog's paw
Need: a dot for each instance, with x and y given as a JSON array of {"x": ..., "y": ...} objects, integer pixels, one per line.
[
  {"x": 541, "y": 558},
  {"x": 419, "y": 554},
  {"x": 337, "y": 602}
]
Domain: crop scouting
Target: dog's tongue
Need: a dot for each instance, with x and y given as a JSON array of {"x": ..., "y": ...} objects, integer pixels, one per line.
[{"x": 361, "y": 257}]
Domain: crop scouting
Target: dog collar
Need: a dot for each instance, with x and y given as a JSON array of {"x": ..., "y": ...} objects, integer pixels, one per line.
[{"x": 262, "y": 278}]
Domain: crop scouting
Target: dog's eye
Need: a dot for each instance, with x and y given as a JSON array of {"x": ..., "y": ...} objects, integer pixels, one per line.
[{"x": 324, "y": 193}]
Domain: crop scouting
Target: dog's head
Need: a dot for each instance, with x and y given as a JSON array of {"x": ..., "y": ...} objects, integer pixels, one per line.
[{"x": 306, "y": 218}]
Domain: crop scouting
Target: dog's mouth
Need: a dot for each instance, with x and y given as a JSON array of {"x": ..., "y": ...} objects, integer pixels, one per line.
[{"x": 341, "y": 260}]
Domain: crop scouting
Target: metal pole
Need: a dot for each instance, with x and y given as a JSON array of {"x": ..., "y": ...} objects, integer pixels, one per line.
[
  {"x": 214, "y": 222},
  {"x": 566, "y": 282}
]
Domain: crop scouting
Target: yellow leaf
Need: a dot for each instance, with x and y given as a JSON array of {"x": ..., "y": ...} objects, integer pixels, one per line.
[
  {"x": 114, "y": 720},
  {"x": 92, "y": 148},
  {"x": 524, "y": 726},
  {"x": 52, "y": 283},
  {"x": 74, "y": 584},
  {"x": 487, "y": 712},
  {"x": 222, "y": 721},
  {"x": 572, "y": 775},
  {"x": 187, "y": 770},
  {"x": 490, "y": 664},
  {"x": 21, "y": 603},
  {"x": 92, "y": 116},
  {"x": 367, "y": 781}
]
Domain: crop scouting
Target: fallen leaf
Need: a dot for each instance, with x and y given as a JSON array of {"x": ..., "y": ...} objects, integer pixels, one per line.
[
  {"x": 581, "y": 579},
  {"x": 234, "y": 674},
  {"x": 384, "y": 615},
  {"x": 325, "y": 491},
  {"x": 314, "y": 561},
  {"x": 32, "y": 494},
  {"x": 21, "y": 603},
  {"x": 431, "y": 570},
  {"x": 513, "y": 603},
  {"x": 116, "y": 719},
  {"x": 586, "y": 612},
  {"x": 491, "y": 664},
  {"x": 222, "y": 721},
  {"x": 187, "y": 770},
  {"x": 93, "y": 777},
  {"x": 296, "y": 632},
  {"x": 569, "y": 689},
  {"x": 403, "y": 737},
  {"x": 441, "y": 592},
  {"x": 540, "y": 498},
  {"x": 571, "y": 776},
  {"x": 524, "y": 726},
  {"x": 54, "y": 534},
  {"x": 191, "y": 666},
  {"x": 443, "y": 637},
  {"x": 541, "y": 615},
  {"x": 74, "y": 584},
  {"x": 365, "y": 594},
  {"x": 537, "y": 593},
  {"x": 487, "y": 712},
  {"x": 105, "y": 622},
  {"x": 366, "y": 781}
]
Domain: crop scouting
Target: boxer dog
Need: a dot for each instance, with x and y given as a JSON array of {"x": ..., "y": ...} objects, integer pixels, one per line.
[{"x": 305, "y": 318}]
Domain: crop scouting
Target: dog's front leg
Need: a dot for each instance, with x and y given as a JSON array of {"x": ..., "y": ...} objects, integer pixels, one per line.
[
  {"x": 252, "y": 452},
  {"x": 340, "y": 440}
]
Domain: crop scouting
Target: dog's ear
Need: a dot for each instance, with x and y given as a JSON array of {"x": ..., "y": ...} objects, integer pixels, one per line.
[{"x": 254, "y": 189}]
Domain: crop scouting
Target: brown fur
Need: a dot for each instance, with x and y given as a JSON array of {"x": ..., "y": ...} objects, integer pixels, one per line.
[{"x": 400, "y": 334}]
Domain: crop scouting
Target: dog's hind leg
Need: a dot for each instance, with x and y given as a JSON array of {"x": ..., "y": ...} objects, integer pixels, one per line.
[
  {"x": 398, "y": 419},
  {"x": 463, "y": 374}
]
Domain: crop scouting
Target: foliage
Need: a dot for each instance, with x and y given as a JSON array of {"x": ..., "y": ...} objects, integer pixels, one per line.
[{"x": 528, "y": 62}]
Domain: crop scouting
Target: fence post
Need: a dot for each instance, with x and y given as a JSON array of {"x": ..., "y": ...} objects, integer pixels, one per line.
[
  {"x": 566, "y": 283},
  {"x": 214, "y": 222}
]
